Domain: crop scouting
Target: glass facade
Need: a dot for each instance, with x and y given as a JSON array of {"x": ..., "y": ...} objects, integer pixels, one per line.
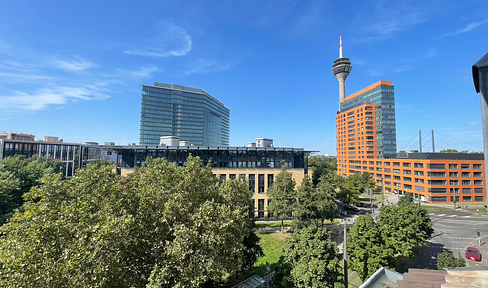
[
  {"x": 221, "y": 157},
  {"x": 383, "y": 96},
  {"x": 190, "y": 113},
  {"x": 68, "y": 153}
]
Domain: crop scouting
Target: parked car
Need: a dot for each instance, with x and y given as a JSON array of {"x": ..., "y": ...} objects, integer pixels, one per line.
[
  {"x": 351, "y": 208},
  {"x": 473, "y": 254}
]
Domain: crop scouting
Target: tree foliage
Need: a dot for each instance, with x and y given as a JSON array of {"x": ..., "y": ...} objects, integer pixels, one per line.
[
  {"x": 282, "y": 195},
  {"x": 366, "y": 248},
  {"x": 321, "y": 165},
  {"x": 405, "y": 227},
  {"x": 310, "y": 259},
  {"x": 406, "y": 200},
  {"x": 17, "y": 175},
  {"x": 164, "y": 225},
  {"x": 446, "y": 260}
]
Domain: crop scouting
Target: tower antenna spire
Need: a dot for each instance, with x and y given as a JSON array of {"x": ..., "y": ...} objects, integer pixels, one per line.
[{"x": 340, "y": 49}]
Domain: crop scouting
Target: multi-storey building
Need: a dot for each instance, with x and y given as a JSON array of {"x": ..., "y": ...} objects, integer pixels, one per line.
[
  {"x": 366, "y": 142},
  {"x": 256, "y": 163},
  {"x": 187, "y": 112}
]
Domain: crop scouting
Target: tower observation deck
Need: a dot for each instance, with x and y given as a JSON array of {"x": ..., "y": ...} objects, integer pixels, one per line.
[{"x": 341, "y": 69}]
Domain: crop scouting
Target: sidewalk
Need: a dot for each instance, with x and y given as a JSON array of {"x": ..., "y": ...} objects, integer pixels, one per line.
[{"x": 484, "y": 252}]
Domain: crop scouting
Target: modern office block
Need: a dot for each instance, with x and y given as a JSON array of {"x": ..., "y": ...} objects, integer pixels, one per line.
[
  {"x": 187, "y": 112},
  {"x": 366, "y": 143}
]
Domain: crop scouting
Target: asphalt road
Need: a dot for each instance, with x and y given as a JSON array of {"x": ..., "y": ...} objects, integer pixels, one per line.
[{"x": 453, "y": 231}]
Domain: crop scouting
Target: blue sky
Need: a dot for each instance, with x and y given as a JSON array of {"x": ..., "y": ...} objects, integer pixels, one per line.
[{"x": 74, "y": 69}]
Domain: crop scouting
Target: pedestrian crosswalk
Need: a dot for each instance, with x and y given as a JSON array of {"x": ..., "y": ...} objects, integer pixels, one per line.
[{"x": 450, "y": 216}]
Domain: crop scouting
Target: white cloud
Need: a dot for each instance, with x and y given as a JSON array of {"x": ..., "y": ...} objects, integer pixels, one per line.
[
  {"x": 144, "y": 72},
  {"x": 77, "y": 64},
  {"x": 24, "y": 77},
  {"x": 469, "y": 27},
  {"x": 171, "y": 41},
  {"x": 202, "y": 66},
  {"x": 473, "y": 123},
  {"x": 307, "y": 21},
  {"x": 403, "y": 68},
  {"x": 42, "y": 98},
  {"x": 431, "y": 53}
]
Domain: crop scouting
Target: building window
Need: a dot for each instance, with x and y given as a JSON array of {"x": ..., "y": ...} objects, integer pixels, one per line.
[
  {"x": 419, "y": 173},
  {"x": 252, "y": 183},
  {"x": 479, "y": 198},
  {"x": 477, "y": 174},
  {"x": 260, "y": 208},
  {"x": 396, "y": 164},
  {"x": 437, "y": 182},
  {"x": 418, "y": 165},
  {"x": 270, "y": 179},
  {"x": 387, "y": 163},
  {"x": 223, "y": 177},
  {"x": 478, "y": 190},
  {"x": 465, "y": 174},
  {"x": 466, "y": 198},
  {"x": 407, "y": 172},
  {"x": 406, "y": 165},
  {"x": 454, "y": 182},
  {"x": 466, "y": 182},
  {"x": 232, "y": 176},
  {"x": 436, "y": 166},
  {"x": 436, "y": 174},
  {"x": 476, "y": 166},
  {"x": 407, "y": 179},
  {"x": 242, "y": 177},
  {"x": 261, "y": 183},
  {"x": 464, "y": 166},
  {"x": 396, "y": 171},
  {"x": 467, "y": 190},
  {"x": 418, "y": 180},
  {"x": 397, "y": 178},
  {"x": 478, "y": 182},
  {"x": 453, "y": 166},
  {"x": 453, "y": 174}
]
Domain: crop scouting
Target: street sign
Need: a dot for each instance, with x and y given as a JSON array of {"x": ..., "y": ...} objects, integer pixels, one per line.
[
  {"x": 479, "y": 232},
  {"x": 268, "y": 267}
]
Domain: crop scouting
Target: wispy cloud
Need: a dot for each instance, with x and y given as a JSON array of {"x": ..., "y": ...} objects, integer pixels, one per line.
[
  {"x": 394, "y": 17},
  {"x": 42, "y": 98},
  {"x": 375, "y": 72},
  {"x": 19, "y": 76},
  {"x": 469, "y": 27},
  {"x": 73, "y": 65},
  {"x": 431, "y": 53},
  {"x": 307, "y": 21},
  {"x": 202, "y": 66},
  {"x": 171, "y": 41},
  {"x": 473, "y": 123},
  {"x": 144, "y": 72},
  {"x": 403, "y": 68}
]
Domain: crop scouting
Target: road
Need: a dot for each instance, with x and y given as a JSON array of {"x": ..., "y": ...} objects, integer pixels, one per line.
[{"x": 453, "y": 231}]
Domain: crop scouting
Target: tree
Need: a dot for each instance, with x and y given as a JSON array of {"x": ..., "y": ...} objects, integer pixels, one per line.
[
  {"x": 18, "y": 175},
  {"x": 282, "y": 195},
  {"x": 367, "y": 181},
  {"x": 446, "y": 260},
  {"x": 349, "y": 188},
  {"x": 406, "y": 199},
  {"x": 405, "y": 227},
  {"x": 309, "y": 259},
  {"x": 321, "y": 165},
  {"x": 305, "y": 208},
  {"x": 325, "y": 196},
  {"x": 366, "y": 248},
  {"x": 163, "y": 225}
]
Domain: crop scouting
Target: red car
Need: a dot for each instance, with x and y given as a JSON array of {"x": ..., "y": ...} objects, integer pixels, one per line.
[{"x": 473, "y": 254}]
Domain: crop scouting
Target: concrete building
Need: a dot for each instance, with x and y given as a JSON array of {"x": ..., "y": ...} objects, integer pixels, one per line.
[
  {"x": 257, "y": 165},
  {"x": 187, "y": 112},
  {"x": 341, "y": 69},
  {"x": 17, "y": 136},
  {"x": 366, "y": 143}
]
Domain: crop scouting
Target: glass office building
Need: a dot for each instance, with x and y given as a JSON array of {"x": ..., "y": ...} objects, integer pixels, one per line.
[
  {"x": 382, "y": 95},
  {"x": 187, "y": 112}
]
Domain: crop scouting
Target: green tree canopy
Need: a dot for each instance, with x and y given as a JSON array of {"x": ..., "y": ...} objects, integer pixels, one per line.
[
  {"x": 168, "y": 225},
  {"x": 405, "y": 227},
  {"x": 282, "y": 195},
  {"x": 446, "y": 260},
  {"x": 406, "y": 199},
  {"x": 366, "y": 248},
  {"x": 310, "y": 260},
  {"x": 321, "y": 165},
  {"x": 17, "y": 175}
]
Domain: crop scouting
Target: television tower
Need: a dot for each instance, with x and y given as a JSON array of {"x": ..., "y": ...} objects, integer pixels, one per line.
[{"x": 341, "y": 69}]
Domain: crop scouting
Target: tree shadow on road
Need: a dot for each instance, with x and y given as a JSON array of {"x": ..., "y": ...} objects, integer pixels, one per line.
[{"x": 427, "y": 259}]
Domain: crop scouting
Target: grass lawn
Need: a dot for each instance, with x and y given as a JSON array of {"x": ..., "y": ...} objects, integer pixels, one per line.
[
  {"x": 273, "y": 245},
  {"x": 274, "y": 224},
  {"x": 431, "y": 209},
  {"x": 481, "y": 210}
]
